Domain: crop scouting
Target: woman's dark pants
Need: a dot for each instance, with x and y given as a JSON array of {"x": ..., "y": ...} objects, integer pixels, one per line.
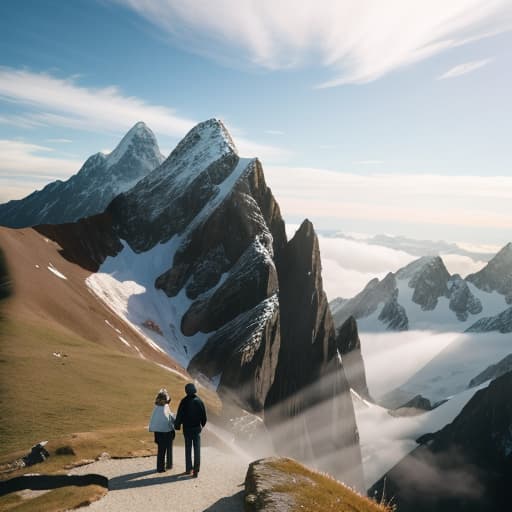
[{"x": 164, "y": 442}]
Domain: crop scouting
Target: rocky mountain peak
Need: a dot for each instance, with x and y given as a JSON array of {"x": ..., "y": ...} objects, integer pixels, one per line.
[
  {"x": 430, "y": 264},
  {"x": 139, "y": 142},
  {"x": 92, "y": 188},
  {"x": 429, "y": 277},
  {"x": 206, "y": 142},
  {"x": 497, "y": 274}
]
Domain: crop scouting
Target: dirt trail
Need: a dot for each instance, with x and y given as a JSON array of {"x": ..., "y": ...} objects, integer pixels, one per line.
[{"x": 135, "y": 485}]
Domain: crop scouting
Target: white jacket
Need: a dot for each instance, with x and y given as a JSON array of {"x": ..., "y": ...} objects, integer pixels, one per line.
[{"x": 162, "y": 419}]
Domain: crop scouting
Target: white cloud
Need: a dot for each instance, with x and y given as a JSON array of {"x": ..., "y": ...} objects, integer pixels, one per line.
[
  {"x": 62, "y": 102},
  {"x": 70, "y": 105},
  {"x": 21, "y": 158},
  {"x": 274, "y": 132},
  {"x": 457, "y": 264},
  {"x": 359, "y": 41},
  {"x": 463, "y": 69},
  {"x": 416, "y": 199}
]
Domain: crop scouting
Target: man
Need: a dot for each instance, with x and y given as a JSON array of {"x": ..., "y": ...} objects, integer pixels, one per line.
[{"x": 192, "y": 415}]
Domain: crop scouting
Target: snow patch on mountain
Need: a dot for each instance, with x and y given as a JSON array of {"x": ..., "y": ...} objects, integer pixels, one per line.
[{"x": 126, "y": 284}]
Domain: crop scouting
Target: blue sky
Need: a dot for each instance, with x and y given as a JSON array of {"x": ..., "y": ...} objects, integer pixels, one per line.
[{"x": 343, "y": 101}]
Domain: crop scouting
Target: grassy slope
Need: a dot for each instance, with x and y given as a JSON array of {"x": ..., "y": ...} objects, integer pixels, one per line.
[
  {"x": 316, "y": 492},
  {"x": 93, "y": 388}
]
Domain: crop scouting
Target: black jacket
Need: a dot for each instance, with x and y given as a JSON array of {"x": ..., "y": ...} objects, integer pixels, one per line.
[{"x": 191, "y": 413}]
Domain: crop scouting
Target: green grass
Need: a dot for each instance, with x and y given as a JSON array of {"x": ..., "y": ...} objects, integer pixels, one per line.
[
  {"x": 92, "y": 389},
  {"x": 316, "y": 492}
]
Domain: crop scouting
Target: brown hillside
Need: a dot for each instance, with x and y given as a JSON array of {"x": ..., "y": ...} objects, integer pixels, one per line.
[{"x": 64, "y": 304}]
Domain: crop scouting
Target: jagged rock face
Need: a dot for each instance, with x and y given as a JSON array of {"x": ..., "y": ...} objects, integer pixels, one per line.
[
  {"x": 462, "y": 301},
  {"x": 308, "y": 407},
  {"x": 244, "y": 352},
  {"x": 101, "y": 178},
  {"x": 165, "y": 203},
  {"x": 349, "y": 348},
  {"x": 430, "y": 283},
  {"x": 465, "y": 466},
  {"x": 366, "y": 302},
  {"x": 394, "y": 315},
  {"x": 497, "y": 274},
  {"x": 243, "y": 218},
  {"x": 501, "y": 323},
  {"x": 493, "y": 371},
  {"x": 252, "y": 279}
]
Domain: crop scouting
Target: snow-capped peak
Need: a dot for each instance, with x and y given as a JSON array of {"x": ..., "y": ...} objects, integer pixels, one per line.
[
  {"x": 207, "y": 141},
  {"x": 417, "y": 266},
  {"x": 139, "y": 141}
]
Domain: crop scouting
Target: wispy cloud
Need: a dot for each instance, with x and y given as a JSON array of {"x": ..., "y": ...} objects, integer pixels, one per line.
[
  {"x": 24, "y": 158},
  {"x": 25, "y": 166},
  {"x": 470, "y": 201},
  {"x": 464, "y": 69},
  {"x": 274, "y": 132},
  {"x": 54, "y": 101},
  {"x": 359, "y": 41}
]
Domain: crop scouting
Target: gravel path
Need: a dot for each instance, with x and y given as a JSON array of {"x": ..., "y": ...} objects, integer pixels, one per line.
[{"x": 135, "y": 485}]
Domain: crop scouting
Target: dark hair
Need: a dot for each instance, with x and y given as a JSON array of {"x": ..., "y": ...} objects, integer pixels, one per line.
[{"x": 190, "y": 388}]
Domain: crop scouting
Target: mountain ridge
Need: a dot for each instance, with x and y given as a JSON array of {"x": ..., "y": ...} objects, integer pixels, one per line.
[{"x": 90, "y": 190}]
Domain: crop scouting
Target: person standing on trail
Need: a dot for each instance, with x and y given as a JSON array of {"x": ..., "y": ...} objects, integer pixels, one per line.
[
  {"x": 162, "y": 424},
  {"x": 192, "y": 415}
]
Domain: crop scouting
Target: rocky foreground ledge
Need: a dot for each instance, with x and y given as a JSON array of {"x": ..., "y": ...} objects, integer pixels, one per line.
[{"x": 284, "y": 485}]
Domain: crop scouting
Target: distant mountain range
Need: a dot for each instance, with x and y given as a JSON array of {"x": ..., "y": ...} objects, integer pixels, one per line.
[
  {"x": 423, "y": 295},
  {"x": 101, "y": 178}
]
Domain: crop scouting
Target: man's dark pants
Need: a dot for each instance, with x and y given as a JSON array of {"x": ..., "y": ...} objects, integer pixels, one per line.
[{"x": 192, "y": 437}]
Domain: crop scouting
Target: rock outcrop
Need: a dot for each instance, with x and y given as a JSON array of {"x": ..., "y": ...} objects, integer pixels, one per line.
[
  {"x": 501, "y": 323},
  {"x": 462, "y": 301},
  {"x": 393, "y": 314},
  {"x": 349, "y": 348},
  {"x": 429, "y": 278}
]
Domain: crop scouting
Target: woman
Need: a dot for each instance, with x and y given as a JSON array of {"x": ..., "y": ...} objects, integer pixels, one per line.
[{"x": 162, "y": 424}]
